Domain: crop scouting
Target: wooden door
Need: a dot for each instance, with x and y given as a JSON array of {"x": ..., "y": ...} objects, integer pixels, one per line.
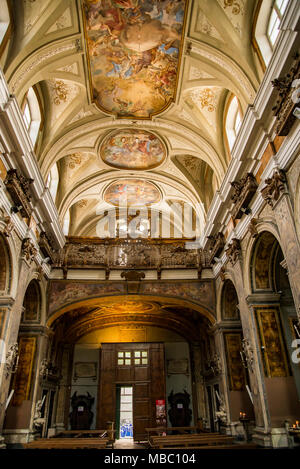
[{"x": 140, "y": 365}]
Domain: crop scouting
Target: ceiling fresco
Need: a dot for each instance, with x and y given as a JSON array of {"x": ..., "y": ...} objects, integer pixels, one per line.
[
  {"x": 132, "y": 192},
  {"x": 132, "y": 149},
  {"x": 134, "y": 50}
]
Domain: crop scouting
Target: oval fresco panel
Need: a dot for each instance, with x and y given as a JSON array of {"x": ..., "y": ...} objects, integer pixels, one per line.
[
  {"x": 134, "y": 49},
  {"x": 132, "y": 192},
  {"x": 132, "y": 149}
]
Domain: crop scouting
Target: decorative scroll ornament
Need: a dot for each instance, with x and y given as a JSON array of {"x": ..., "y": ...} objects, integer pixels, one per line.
[
  {"x": 222, "y": 274},
  {"x": 133, "y": 275},
  {"x": 252, "y": 228},
  {"x": 28, "y": 250},
  {"x": 247, "y": 355},
  {"x": 274, "y": 187},
  {"x": 234, "y": 250},
  {"x": 12, "y": 359},
  {"x": 8, "y": 227}
]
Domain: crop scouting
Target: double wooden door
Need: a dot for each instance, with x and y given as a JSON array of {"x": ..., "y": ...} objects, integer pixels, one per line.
[{"x": 140, "y": 365}]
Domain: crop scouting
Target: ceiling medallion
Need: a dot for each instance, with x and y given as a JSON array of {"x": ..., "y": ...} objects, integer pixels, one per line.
[
  {"x": 132, "y": 192},
  {"x": 132, "y": 149},
  {"x": 134, "y": 49}
]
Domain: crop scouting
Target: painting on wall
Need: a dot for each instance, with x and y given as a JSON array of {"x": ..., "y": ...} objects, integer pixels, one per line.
[
  {"x": 262, "y": 261},
  {"x": 85, "y": 370},
  {"x": 2, "y": 321},
  {"x": 22, "y": 380},
  {"x": 31, "y": 303},
  {"x": 134, "y": 49},
  {"x": 62, "y": 293},
  {"x": 132, "y": 192},
  {"x": 274, "y": 355},
  {"x": 230, "y": 309},
  {"x": 132, "y": 149},
  {"x": 236, "y": 371}
]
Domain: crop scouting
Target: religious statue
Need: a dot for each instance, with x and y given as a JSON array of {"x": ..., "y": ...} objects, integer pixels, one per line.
[{"x": 38, "y": 420}]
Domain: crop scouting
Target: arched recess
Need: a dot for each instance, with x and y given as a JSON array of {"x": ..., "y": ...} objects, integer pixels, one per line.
[
  {"x": 276, "y": 325},
  {"x": 23, "y": 382},
  {"x": 236, "y": 376},
  {"x": 5, "y": 268}
]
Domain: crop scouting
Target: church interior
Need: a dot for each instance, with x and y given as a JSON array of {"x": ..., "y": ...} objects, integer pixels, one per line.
[{"x": 149, "y": 223}]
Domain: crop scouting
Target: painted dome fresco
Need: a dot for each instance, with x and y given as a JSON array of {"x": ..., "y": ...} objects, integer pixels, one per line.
[
  {"x": 132, "y": 192},
  {"x": 134, "y": 51},
  {"x": 132, "y": 149}
]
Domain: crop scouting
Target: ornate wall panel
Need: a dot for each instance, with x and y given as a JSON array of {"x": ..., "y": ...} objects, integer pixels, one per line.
[
  {"x": 270, "y": 333},
  {"x": 236, "y": 372},
  {"x": 23, "y": 377}
]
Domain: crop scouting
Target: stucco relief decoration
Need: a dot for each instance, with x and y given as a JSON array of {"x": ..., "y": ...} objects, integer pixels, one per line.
[
  {"x": 29, "y": 252},
  {"x": 134, "y": 49},
  {"x": 74, "y": 160},
  {"x": 234, "y": 10},
  {"x": 205, "y": 99},
  {"x": 60, "y": 91},
  {"x": 132, "y": 149},
  {"x": 132, "y": 192}
]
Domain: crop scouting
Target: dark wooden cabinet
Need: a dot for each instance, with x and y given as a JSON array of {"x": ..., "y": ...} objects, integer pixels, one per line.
[{"x": 144, "y": 372}]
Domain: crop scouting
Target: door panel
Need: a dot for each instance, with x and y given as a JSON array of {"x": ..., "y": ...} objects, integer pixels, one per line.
[{"x": 148, "y": 381}]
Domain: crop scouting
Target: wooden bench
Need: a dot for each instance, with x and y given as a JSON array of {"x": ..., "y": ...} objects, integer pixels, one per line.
[
  {"x": 189, "y": 440},
  {"x": 68, "y": 443},
  {"x": 160, "y": 430},
  {"x": 82, "y": 433}
]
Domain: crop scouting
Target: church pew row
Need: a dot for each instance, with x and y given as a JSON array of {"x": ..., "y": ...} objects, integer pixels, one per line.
[
  {"x": 177, "y": 441},
  {"x": 68, "y": 443}
]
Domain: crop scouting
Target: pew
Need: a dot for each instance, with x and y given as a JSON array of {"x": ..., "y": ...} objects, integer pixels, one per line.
[
  {"x": 68, "y": 443},
  {"x": 190, "y": 440}
]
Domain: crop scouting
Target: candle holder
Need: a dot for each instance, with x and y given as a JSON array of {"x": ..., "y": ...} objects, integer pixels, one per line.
[{"x": 245, "y": 422}]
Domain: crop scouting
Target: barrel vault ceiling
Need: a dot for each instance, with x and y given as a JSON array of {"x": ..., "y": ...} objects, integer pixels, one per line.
[{"x": 49, "y": 50}]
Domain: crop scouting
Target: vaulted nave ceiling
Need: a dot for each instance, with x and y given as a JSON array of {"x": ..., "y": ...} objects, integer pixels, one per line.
[{"x": 188, "y": 157}]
